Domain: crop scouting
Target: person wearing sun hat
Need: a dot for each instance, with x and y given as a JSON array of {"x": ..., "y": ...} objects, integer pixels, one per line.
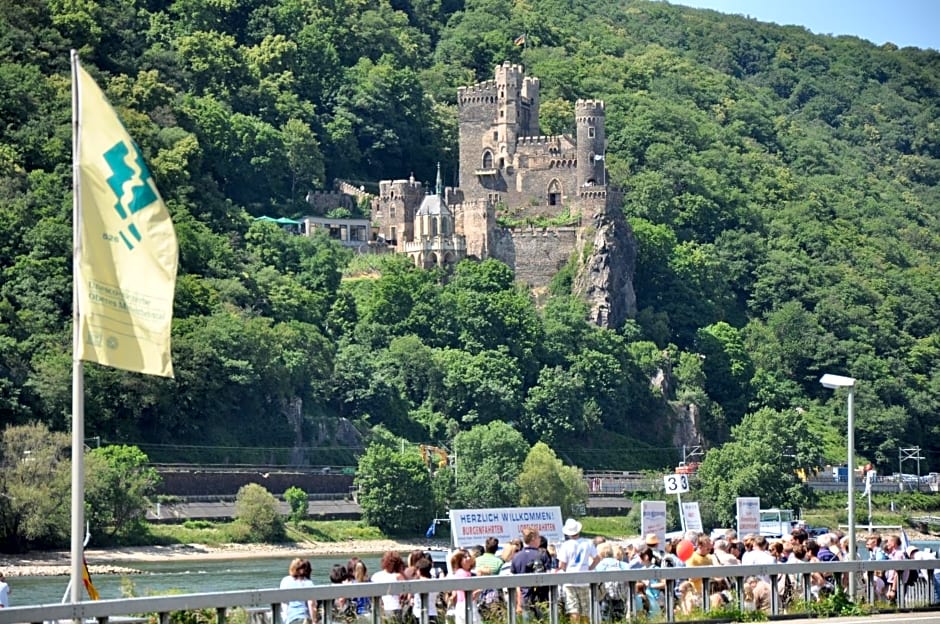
[
  {"x": 652, "y": 542},
  {"x": 576, "y": 554}
]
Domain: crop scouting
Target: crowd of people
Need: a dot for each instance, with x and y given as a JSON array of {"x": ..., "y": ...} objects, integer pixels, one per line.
[{"x": 533, "y": 554}]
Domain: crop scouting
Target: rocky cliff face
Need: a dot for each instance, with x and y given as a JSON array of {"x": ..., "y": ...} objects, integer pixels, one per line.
[{"x": 606, "y": 277}]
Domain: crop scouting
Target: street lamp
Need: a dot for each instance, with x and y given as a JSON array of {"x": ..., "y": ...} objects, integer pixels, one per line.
[{"x": 832, "y": 382}]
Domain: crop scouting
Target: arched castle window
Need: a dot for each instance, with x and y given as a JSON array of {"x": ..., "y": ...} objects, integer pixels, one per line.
[
  {"x": 433, "y": 226},
  {"x": 487, "y": 159},
  {"x": 554, "y": 193}
]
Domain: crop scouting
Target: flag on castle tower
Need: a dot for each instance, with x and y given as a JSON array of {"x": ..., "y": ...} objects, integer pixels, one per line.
[{"x": 520, "y": 40}]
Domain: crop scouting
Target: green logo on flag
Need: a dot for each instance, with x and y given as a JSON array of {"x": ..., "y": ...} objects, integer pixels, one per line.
[{"x": 141, "y": 191}]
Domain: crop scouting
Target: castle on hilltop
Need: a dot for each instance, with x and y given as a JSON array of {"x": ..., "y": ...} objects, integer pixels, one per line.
[{"x": 506, "y": 170}]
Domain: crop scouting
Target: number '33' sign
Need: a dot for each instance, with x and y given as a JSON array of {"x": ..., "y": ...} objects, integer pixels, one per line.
[{"x": 676, "y": 483}]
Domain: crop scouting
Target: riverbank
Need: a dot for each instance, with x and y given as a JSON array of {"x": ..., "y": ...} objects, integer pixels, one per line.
[
  {"x": 121, "y": 560},
  {"x": 118, "y": 560}
]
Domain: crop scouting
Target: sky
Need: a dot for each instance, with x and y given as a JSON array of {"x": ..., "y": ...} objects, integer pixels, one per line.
[{"x": 902, "y": 22}]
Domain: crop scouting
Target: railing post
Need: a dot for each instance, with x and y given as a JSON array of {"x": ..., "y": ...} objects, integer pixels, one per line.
[
  {"x": 670, "y": 600},
  {"x": 220, "y": 615},
  {"x": 739, "y": 587},
  {"x": 423, "y": 615},
  {"x": 553, "y": 604},
  {"x": 630, "y": 610},
  {"x": 774, "y": 597},
  {"x": 593, "y": 614}
]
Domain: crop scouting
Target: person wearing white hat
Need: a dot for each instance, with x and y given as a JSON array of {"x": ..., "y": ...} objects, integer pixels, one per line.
[{"x": 576, "y": 554}]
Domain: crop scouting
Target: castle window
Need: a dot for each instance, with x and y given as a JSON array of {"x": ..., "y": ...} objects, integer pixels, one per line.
[
  {"x": 496, "y": 136},
  {"x": 554, "y": 193},
  {"x": 591, "y": 132},
  {"x": 487, "y": 159},
  {"x": 502, "y": 113},
  {"x": 391, "y": 211},
  {"x": 393, "y": 238},
  {"x": 433, "y": 227}
]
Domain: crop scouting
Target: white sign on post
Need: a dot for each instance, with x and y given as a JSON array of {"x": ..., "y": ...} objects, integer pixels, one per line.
[
  {"x": 653, "y": 519},
  {"x": 676, "y": 483},
  {"x": 748, "y": 515},
  {"x": 692, "y": 516}
]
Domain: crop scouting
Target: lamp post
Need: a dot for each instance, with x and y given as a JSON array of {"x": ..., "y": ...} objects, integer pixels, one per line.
[{"x": 833, "y": 382}]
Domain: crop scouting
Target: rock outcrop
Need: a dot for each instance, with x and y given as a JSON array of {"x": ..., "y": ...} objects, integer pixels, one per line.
[{"x": 606, "y": 277}]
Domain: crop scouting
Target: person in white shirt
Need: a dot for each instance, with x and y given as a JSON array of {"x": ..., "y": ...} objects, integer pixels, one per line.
[
  {"x": 4, "y": 591},
  {"x": 758, "y": 555},
  {"x": 392, "y": 570},
  {"x": 576, "y": 554}
]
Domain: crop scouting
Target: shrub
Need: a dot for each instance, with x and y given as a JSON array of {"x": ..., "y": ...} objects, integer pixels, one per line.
[
  {"x": 297, "y": 499},
  {"x": 256, "y": 508}
]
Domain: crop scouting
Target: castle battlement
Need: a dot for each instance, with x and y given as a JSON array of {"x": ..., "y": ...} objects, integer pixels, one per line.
[
  {"x": 350, "y": 189},
  {"x": 592, "y": 192},
  {"x": 589, "y": 107},
  {"x": 539, "y": 140},
  {"x": 482, "y": 92},
  {"x": 508, "y": 68},
  {"x": 328, "y": 200}
]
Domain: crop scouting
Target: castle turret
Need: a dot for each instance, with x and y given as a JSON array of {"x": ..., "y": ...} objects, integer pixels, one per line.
[
  {"x": 592, "y": 143},
  {"x": 509, "y": 122}
]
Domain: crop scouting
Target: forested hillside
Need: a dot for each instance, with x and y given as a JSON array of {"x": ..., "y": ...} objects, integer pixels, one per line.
[{"x": 782, "y": 187}]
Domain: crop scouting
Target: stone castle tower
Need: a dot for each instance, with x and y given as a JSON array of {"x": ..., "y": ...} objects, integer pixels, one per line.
[
  {"x": 506, "y": 168},
  {"x": 509, "y": 173}
]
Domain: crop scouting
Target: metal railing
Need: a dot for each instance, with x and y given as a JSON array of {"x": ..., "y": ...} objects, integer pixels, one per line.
[{"x": 270, "y": 600}]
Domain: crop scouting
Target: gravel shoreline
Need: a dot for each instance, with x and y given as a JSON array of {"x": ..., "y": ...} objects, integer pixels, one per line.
[{"x": 120, "y": 560}]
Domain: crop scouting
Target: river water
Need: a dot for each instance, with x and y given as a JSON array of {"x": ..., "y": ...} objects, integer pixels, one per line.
[
  {"x": 191, "y": 577},
  {"x": 179, "y": 577}
]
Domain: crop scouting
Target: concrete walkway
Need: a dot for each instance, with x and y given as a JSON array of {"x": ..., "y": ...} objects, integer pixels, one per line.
[{"x": 918, "y": 617}]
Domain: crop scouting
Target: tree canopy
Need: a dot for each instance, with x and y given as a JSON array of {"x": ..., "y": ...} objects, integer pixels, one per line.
[{"x": 782, "y": 187}]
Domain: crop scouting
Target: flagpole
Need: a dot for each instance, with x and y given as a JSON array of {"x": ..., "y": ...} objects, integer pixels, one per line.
[{"x": 78, "y": 381}]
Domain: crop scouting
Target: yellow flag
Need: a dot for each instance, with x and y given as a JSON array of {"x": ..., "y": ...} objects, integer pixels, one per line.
[{"x": 127, "y": 251}]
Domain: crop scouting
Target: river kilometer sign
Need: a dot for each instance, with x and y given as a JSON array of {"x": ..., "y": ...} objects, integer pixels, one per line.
[{"x": 676, "y": 483}]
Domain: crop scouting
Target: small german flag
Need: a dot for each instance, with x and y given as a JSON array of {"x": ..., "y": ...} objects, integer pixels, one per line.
[
  {"x": 86, "y": 579},
  {"x": 520, "y": 40}
]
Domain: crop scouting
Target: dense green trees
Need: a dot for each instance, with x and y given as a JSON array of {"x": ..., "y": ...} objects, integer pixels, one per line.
[
  {"x": 782, "y": 188},
  {"x": 118, "y": 488},
  {"x": 35, "y": 486},
  {"x": 491, "y": 466},
  {"x": 767, "y": 452},
  {"x": 394, "y": 490}
]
